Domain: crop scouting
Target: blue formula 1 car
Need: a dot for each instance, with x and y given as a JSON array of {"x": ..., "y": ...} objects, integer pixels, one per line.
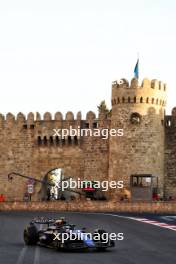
[{"x": 59, "y": 234}]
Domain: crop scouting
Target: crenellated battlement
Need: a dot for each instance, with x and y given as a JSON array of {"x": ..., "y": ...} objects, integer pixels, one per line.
[
  {"x": 33, "y": 118},
  {"x": 134, "y": 84},
  {"x": 149, "y": 92}
]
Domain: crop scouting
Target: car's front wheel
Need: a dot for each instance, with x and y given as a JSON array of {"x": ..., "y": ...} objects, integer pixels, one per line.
[{"x": 30, "y": 235}]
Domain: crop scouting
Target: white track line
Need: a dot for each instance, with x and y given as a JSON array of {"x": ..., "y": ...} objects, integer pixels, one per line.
[
  {"x": 143, "y": 220},
  {"x": 21, "y": 255},
  {"x": 156, "y": 223},
  {"x": 37, "y": 256},
  {"x": 37, "y": 251}
]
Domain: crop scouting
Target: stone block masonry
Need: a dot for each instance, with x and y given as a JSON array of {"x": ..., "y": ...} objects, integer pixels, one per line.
[{"x": 148, "y": 145}]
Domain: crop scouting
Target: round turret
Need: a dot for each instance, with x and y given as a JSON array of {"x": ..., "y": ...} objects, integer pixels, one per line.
[{"x": 139, "y": 111}]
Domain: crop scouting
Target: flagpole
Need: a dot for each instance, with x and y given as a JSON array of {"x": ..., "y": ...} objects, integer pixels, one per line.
[
  {"x": 138, "y": 64},
  {"x": 136, "y": 69}
]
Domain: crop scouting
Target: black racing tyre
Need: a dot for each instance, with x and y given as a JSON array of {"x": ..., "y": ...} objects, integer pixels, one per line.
[
  {"x": 30, "y": 235},
  {"x": 101, "y": 232},
  {"x": 104, "y": 244}
]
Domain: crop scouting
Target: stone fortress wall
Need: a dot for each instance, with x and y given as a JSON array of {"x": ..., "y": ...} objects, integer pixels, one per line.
[
  {"x": 170, "y": 154},
  {"x": 148, "y": 146},
  {"x": 29, "y": 147}
]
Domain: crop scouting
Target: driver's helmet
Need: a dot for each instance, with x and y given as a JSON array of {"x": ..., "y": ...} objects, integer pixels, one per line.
[
  {"x": 63, "y": 219},
  {"x": 60, "y": 221}
]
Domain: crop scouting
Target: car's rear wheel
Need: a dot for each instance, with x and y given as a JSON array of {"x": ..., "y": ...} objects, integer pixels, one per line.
[
  {"x": 102, "y": 240},
  {"x": 101, "y": 233},
  {"x": 30, "y": 235}
]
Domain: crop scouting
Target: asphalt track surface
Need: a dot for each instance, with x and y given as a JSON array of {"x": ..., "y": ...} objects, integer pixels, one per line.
[{"x": 142, "y": 244}]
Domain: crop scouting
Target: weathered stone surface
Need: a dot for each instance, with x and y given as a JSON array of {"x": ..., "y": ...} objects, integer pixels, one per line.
[
  {"x": 141, "y": 149},
  {"x": 28, "y": 145}
]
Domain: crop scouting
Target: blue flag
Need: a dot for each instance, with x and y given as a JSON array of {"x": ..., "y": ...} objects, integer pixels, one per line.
[{"x": 136, "y": 70}]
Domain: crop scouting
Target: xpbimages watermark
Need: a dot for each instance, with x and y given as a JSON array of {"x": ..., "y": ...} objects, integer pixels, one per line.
[
  {"x": 78, "y": 235},
  {"x": 94, "y": 132},
  {"x": 88, "y": 185}
]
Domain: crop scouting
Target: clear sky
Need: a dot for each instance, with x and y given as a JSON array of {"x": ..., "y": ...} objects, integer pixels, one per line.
[{"x": 62, "y": 55}]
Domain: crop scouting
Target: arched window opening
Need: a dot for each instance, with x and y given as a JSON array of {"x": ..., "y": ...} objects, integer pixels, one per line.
[
  {"x": 75, "y": 140},
  {"x": 57, "y": 140},
  {"x": 39, "y": 140},
  {"x": 45, "y": 141},
  {"x": 51, "y": 140},
  {"x": 69, "y": 140}
]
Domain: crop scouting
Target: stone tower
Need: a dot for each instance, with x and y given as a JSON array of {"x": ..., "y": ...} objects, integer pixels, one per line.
[
  {"x": 140, "y": 111},
  {"x": 170, "y": 154}
]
